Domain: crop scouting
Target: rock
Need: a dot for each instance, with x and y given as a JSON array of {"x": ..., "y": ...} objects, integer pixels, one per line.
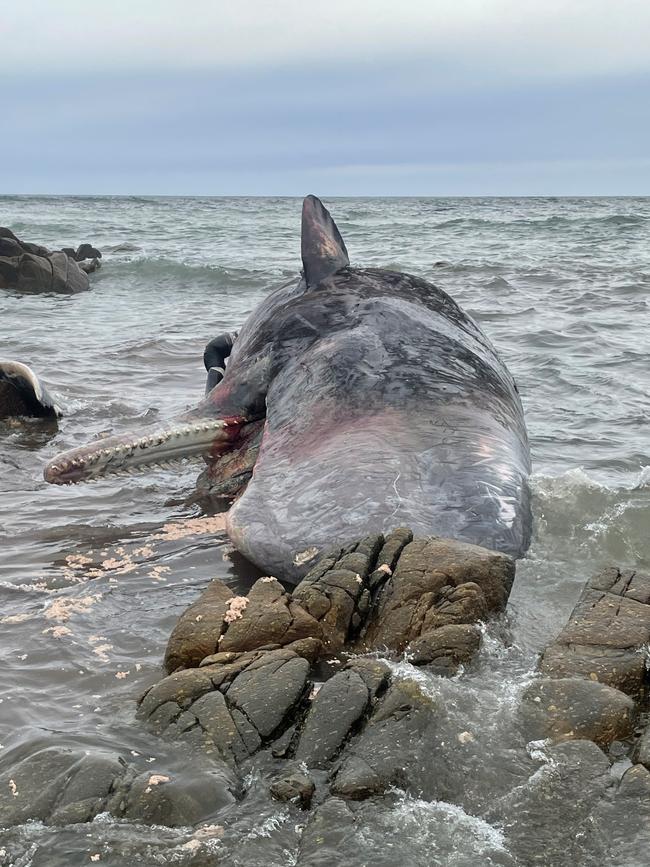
[
  {"x": 271, "y": 616},
  {"x": 328, "y": 835},
  {"x": 87, "y": 251},
  {"x": 32, "y": 268},
  {"x": 446, "y": 648},
  {"x": 642, "y": 748},
  {"x": 296, "y": 786},
  {"x": 374, "y": 673},
  {"x": 628, "y": 583},
  {"x": 574, "y": 708},
  {"x": 437, "y": 582},
  {"x": 622, "y": 669},
  {"x": 330, "y": 592},
  {"x": 57, "y": 785},
  {"x": 607, "y": 632},
  {"x": 607, "y": 620},
  {"x": 90, "y": 267},
  {"x": 268, "y": 690},
  {"x": 388, "y": 751},
  {"x": 251, "y": 689},
  {"x": 181, "y": 688},
  {"x": 462, "y": 604},
  {"x": 336, "y": 709},
  {"x": 197, "y": 630},
  {"x": 232, "y": 707},
  {"x": 157, "y": 798}
]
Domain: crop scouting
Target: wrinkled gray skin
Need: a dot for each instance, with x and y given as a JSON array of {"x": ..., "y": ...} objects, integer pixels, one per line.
[{"x": 383, "y": 403}]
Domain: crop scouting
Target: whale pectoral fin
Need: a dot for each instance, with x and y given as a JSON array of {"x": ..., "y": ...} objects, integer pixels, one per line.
[
  {"x": 322, "y": 248},
  {"x": 24, "y": 393},
  {"x": 214, "y": 358}
]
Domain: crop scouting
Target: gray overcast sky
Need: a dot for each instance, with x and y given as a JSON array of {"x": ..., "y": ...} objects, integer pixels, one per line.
[{"x": 445, "y": 97}]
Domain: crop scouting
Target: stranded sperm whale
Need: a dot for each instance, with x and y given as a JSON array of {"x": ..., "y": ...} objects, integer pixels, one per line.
[{"x": 367, "y": 400}]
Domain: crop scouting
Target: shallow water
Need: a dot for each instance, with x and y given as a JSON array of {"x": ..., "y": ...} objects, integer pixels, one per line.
[{"x": 93, "y": 577}]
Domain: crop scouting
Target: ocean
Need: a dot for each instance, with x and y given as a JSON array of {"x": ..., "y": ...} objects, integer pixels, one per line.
[{"x": 93, "y": 577}]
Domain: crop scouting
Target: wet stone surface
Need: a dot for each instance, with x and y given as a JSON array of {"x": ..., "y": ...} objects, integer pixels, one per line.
[
  {"x": 595, "y": 673},
  {"x": 281, "y": 699}
]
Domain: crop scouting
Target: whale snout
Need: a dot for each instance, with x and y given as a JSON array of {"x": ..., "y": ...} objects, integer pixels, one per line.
[{"x": 129, "y": 454}]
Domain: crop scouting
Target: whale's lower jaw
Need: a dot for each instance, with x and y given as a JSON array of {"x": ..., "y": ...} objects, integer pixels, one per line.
[{"x": 130, "y": 454}]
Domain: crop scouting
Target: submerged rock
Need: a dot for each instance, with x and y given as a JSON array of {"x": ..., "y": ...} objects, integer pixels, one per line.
[
  {"x": 545, "y": 819},
  {"x": 61, "y": 786},
  {"x": 58, "y": 786},
  {"x": 570, "y": 707}
]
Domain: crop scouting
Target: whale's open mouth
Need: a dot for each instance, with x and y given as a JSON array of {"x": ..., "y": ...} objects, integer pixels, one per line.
[{"x": 127, "y": 454}]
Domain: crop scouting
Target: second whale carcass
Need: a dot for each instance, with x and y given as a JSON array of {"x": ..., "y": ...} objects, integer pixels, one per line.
[{"x": 367, "y": 400}]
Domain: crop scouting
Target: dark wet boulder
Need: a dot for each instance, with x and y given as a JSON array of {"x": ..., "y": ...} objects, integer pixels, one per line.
[
  {"x": 446, "y": 648},
  {"x": 607, "y": 633},
  {"x": 197, "y": 631},
  {"x": 335, "y": 591},
  {"x": 161, "y": 799},
  {"x": 270, "y": 616},
  {"x": 571, "y": 707},
  {"x": 87, "y": 251},
  {"x": 388, "y": 751},
  {"x": 33, "y": 268},
  {"x": 248, "y": 669},
  {"x": 58, "y": 786},
  {"x": 329, "y": 835},
  {"x": 378, "y": 593},
  {"x": 62, "y": 786},
  {"x": 621, "y": 824},
  {"x": 294, "y": 785},
  {"x": 438, "y": 582},
  {"x": 337, "y": 708},
  {"x": 232, "y": 707}
]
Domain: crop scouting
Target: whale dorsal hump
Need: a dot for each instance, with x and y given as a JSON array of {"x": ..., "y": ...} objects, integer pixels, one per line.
[{"x": 321, "y": 245}]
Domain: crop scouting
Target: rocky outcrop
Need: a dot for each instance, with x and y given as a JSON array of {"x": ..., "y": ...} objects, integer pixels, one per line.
[
  {"x": 595, "y": 672},
  {"x": 244, "y": 672},
  {"x": 33, "y": 268},
  {"x": 274, "y": 696},
  {"x": 607, "y": 633},
  {"x": 394, "y": 594}
]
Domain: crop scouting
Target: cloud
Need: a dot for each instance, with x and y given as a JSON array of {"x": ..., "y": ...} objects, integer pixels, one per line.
[
  {"x": 360, "y": 129},
  {"x": 491, "y": 37},
  {"x": 423, "y": 98}
]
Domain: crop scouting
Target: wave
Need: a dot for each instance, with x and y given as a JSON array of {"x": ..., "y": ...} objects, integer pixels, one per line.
[
  {"x": 555, "y": 221},
  {"x": 577, "y": 517},
  {"x": 155, "y": 268}
]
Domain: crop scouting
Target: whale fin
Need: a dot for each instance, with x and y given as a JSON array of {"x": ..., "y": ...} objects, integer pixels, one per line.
[
  {"x": 22, "y": 393},
  {"x": 322, "y": 248}
]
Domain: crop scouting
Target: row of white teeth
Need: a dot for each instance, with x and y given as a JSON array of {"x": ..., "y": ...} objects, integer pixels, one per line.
[{"x": 127, "y": 450}]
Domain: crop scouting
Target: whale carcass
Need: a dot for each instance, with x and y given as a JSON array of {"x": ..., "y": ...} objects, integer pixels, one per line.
[{"x": 367, "y": 399}]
